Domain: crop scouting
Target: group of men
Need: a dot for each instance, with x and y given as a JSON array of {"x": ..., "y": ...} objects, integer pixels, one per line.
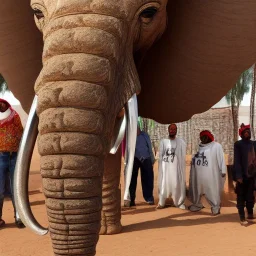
[{"x": 207, "y": 172}]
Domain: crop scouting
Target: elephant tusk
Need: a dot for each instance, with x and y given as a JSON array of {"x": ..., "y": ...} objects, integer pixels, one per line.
[
  {"x": 131, "y": 136},
  {"x": 118, "y": 134},
  {"x": 21, "y": 173}
]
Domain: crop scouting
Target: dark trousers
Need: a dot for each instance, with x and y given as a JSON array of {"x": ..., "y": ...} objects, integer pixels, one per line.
[
  {"x": 147, "y": 179},
  {"x": 245, "y": 197},
  {"x": 7, "y": 167}
]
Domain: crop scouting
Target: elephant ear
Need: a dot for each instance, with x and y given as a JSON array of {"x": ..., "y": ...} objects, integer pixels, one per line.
[
  {"x": 20, "y": 49},
  {"x": 206, "y": 46}
]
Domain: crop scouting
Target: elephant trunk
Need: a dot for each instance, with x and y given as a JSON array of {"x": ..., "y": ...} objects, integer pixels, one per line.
[
  {"x": 70, "y": 143},
  {"x": 71, "y": 168},
  {"x": 73, "y": 130}
]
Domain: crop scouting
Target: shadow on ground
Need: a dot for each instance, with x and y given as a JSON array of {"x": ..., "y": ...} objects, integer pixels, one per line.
[
  {"x": 172, "y": 221},
  {"x": 34, "y": 192},
  {"x": 228, "y": 200},
  {"x": 10, "y": 225},
  {"x": 40, "y": 202}
]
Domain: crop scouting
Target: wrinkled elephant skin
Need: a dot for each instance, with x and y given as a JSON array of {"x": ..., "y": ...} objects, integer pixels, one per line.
[{"x": 96, "y": 54}]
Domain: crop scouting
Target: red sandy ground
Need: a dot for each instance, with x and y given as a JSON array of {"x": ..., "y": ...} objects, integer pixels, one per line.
[{"x": 167, "y": 232}]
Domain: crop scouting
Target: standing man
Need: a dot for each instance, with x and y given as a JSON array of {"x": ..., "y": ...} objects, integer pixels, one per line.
[
  {"x": 172, "y": 169},
  {"x": 207, "y": 174},
  {"x": 244, "y": 173},
  {"x": 10, "y": 135},
  {"x": 144, "y": 160}
]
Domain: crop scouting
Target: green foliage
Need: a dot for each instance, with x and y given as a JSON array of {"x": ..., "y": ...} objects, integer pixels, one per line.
[
  {"x": 236, "y": 94},
  {"x": 146, "y": 124},
  {"x": 3, "y": 85}
]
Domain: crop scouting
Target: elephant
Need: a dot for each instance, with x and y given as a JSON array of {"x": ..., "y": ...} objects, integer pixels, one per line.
[{"x": 91, "y": 57}]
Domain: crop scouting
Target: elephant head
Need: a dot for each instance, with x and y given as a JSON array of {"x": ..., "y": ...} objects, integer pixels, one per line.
[{"x": 183, "y": 56}]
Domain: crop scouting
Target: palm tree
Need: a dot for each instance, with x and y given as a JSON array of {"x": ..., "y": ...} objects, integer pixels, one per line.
[
  {"x": 236, "y": 95},
  {"x": 3, "y": 85},
  {"x": 252, "y": 104}
]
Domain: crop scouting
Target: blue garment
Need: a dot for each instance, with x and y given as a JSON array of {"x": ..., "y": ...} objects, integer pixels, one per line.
[
  {"x": 143, "y": 148},
  {"x": 147, "y": 179},
  {"x": 7, "y": 164}
]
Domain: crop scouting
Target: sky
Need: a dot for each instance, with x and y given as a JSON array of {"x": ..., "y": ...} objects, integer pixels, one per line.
[{"x": 246, "y": 101}]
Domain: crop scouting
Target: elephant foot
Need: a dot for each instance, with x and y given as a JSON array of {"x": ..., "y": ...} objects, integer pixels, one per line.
[{"x": 111, "y": 229}]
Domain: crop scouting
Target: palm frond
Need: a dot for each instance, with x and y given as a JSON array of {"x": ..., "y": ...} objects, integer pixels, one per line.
[
  {"x": 242, "y": 87},
  {"x": 3, "y": 85}
]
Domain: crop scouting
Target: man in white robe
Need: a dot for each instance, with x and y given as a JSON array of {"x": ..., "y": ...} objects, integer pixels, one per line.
[
  {"x": 207, "y": 174},
  {"x": 172, "y": 169}
]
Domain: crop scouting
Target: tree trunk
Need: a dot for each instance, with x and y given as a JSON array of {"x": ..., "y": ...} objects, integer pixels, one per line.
[
  {"x": 235, "y": 110},
  {"x": 252, "y": 103}
]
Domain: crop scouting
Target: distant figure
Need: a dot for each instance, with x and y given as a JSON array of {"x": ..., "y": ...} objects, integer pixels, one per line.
[
  {"x": 172, "y": 169},
  {"x": 207, "y": 174},
  {"x": 244, "y": 173},
  {"x": 144, "y": 160},
  {"x": 10, "y": 135}
]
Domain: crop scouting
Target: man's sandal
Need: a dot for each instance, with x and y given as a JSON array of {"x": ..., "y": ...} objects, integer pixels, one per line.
[
  {"x": 244, "y": 223},
  {"x": 2, "y": 223},
  {"x": 19, "y": 223},
  {"x": 159, "y": 207},
  {"x": 251, "y": 218}
]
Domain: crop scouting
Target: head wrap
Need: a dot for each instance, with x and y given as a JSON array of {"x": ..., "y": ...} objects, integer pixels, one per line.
[
  {"x": 243, "y": 127},
  {"x": 6, "y": 102},
  {"x": 8, "y": 116},
  {"x": 208, "y": 134}
]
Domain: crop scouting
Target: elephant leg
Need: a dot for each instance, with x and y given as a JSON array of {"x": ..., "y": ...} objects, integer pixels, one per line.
[{"x": 111, "y": 196}]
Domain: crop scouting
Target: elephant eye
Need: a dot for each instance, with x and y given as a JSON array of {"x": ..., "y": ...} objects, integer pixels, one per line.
[
  {"x": 39, "y": 14},
  {"x": 148, "y": 14}
]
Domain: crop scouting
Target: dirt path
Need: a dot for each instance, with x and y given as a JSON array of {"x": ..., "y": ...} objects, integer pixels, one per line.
[{"x": 167, "y": 232}]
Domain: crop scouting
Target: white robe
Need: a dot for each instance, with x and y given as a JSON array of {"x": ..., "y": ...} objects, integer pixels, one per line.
[
  {"x": 172, "y": 171},
  {"x": 207, "y": 168}
]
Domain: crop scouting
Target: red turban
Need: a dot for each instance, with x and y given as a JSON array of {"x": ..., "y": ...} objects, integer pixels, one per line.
[
  {"x": 208, "y": 134},
  {"x": 6, "y": 102},
  {"x": 10, "y": 119},
  {"x": 243, "y": 128}
]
